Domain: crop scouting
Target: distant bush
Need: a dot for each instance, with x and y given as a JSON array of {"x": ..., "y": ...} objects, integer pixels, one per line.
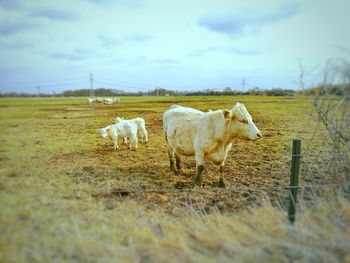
[
  {"x": 330, "y": 89},
  {"x": 278, "y": 92},
  {"x": 98, "y": 92}
]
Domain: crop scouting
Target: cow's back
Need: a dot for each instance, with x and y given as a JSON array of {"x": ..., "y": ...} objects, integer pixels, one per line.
[
  {"x": 126, "y": 128},
  {"x": 139, "y": 122},
  {"x": 179, "y": 128},
  {"x": 177, "y": 113}
]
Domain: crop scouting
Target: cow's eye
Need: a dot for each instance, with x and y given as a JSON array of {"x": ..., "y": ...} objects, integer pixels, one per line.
[{"x": 243, "y": 121}]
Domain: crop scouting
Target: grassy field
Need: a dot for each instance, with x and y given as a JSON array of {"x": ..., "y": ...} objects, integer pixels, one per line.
[{"x": 67, "y": 196}]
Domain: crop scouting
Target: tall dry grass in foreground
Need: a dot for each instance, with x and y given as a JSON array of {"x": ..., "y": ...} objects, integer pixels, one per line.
[{"x": 72, "y": 231}]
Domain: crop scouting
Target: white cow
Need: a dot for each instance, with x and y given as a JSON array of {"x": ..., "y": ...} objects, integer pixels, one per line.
[
  {"x": 106, "y": 132},
  {"x": 108, "y": 101},
  {"x": 206, "y": 135},
  {"x": 99, "y": 100},
  {"x": 141, "y": 126},
  {"x": 91, "y": 100},
  {"x": 121, "y": 129},
  {"x": 116, "y": 100}
]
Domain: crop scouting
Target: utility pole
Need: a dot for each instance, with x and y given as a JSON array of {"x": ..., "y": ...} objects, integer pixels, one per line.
[
  {"x": 38, "y": 90},
  {"x": 92, "y": 92},
  {"x": 243, "y": 85}
]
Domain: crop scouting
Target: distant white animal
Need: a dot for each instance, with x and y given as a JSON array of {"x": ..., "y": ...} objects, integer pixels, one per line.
[
  {"x": 141, "y": 127},
  {"x": 111, "y": 100},
  {"x": 206, "y": 135},
  {"x": 91, "y": 100},
  {"x": 99, "y": 100},
  {"x": 108, "y": 101},
  {"x": 121, "y": 129}
]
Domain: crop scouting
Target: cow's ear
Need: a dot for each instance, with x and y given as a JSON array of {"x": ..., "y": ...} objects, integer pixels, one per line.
[{"x": 227, "y": 114}]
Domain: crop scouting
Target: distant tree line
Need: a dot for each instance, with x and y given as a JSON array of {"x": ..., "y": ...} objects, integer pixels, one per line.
[
  {"x": 330, "y": 89},
  {"x": 29, "y": 95},
  {"x": 103, "y": 92},
  {"x": 255, "y": 91}
]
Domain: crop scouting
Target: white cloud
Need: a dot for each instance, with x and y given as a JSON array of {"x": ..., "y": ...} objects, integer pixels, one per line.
[
  {"x": 235, "y": 25},
  {"x": 180, "y": 44}
]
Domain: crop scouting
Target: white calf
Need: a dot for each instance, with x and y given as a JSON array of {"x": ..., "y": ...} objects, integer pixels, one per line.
[
  {"x": 141, "y": 125},
  {"x": 106, "y": 132},
  {"x": 121, "y": 129}
]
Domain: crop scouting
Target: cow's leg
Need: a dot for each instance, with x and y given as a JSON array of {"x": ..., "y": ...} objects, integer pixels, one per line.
[
  {"x": 130, "y": 142},
  {"x": 139, "y": 134},
  {"x": 222, "y": 182},
  {"x": 142, "y": 135},
  {"x": 145, "y": 136},
  {"x": 178, "y": 164},
  {"x": 199, "y": 169},
  {"x": 125, "y": 140},
  {"x": 115, "y": 141},
  {"x": 171, "y": 158},
  {"x": 135, "y": 142}
]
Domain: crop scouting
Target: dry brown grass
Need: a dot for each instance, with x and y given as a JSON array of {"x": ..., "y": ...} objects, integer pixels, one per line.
[{"x": 59, "y": 204}]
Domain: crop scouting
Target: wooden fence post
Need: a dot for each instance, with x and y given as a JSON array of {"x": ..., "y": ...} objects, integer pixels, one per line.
[{"x": 293, "y": 190}]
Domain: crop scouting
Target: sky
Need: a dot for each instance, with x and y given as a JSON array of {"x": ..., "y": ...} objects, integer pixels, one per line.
[{"x": 137, "y": 45}]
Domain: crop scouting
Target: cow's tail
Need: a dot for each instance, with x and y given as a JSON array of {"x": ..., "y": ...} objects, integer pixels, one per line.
[
  {"x": 165, "y": 127},
  {"x": 174, "y": 106}
]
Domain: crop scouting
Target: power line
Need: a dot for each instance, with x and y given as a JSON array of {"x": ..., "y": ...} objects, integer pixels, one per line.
[
  {"x": 148, "y": 86},
  {"x": 33, "y": 83},
  {"x": 117, "y": 83},
  {"x": 40, "y": 88},
  {"x": 120, "y": 86},
  {"x": 64, "y": 84},
  {"x": 243, "y": 85},
  {"x": 121, "y": 82},
  {"x": 92, "y": 92}
]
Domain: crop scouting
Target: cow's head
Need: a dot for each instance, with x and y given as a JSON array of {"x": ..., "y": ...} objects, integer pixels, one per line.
[
  {"x": 241, "y": 123},
  {"x": 104, "y": 132},
  {"x": 118, "y": 119}
]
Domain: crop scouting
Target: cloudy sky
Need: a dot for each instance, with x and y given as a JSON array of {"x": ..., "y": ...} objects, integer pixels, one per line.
[{"x": 182, "y": 45}]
